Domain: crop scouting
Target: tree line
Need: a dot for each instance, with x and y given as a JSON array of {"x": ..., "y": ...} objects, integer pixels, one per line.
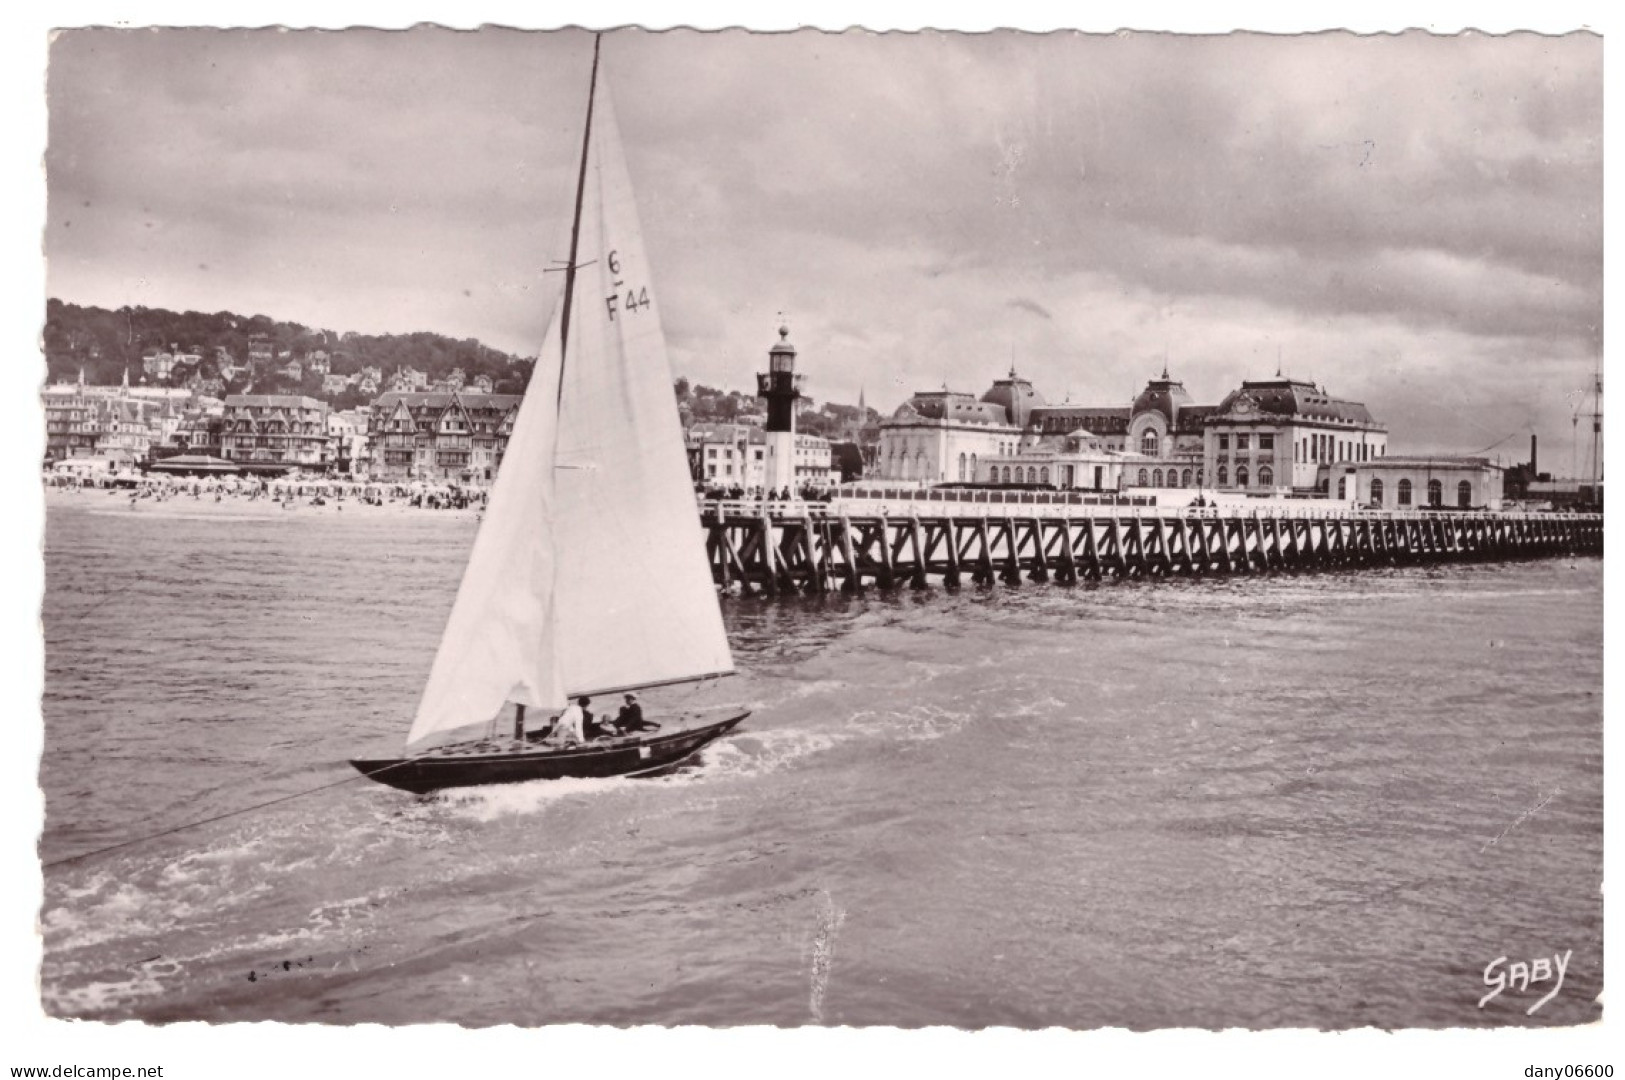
[{"x": 104, "y": 344}]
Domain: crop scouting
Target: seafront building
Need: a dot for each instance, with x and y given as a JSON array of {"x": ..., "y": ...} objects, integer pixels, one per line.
[
  {"x": 1406, "y": 482},
  {"x": 727, "y": 455},
  {"x": 275, "y": 429},
  {"x": 1282, "y": 435},
  {"x": 1273, "y": 438},
  {"x": 117, "y": 423},
  {"x": 441, "y": 436},
  {"x": 347, "y": 439}
]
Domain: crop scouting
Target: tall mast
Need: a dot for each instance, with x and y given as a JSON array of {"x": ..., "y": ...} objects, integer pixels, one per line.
[
  {"x": 1596, "y": 428},
  {"x": 575, "y": 224}
]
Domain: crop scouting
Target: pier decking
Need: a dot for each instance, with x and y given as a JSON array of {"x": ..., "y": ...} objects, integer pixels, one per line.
[{"x": 791, "y": 548}]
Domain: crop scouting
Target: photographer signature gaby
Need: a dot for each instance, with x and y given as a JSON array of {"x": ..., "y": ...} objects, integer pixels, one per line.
[{"x": 1520, "y": 976}]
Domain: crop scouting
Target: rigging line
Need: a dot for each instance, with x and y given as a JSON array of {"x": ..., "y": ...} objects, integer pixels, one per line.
[
  {"x": 221, "y": 817},
  {"x": 575, "y": 224},
  {"x": 74, "y": 617},
  {"x": 1496, "y": 443}
]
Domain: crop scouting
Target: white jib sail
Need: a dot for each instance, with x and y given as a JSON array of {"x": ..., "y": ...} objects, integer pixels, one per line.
[
  {"x": 636, "y": 604},
  {"x": 499, "y": 641}
]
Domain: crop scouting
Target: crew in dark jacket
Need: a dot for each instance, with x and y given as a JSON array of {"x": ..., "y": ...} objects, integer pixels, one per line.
[
  {"x": 590, "y": 725},
  {"x": 631, "y": 717}
]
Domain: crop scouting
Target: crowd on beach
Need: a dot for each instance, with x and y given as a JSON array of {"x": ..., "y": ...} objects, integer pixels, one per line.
[
  {"x": 294, "y": 491},
  {"x": 288, "y": 493}
]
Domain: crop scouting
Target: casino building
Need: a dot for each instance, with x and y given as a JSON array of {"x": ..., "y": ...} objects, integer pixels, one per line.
[
  {"x": 1275, "y": 436},
  {"x": 1282, "y": 435}
]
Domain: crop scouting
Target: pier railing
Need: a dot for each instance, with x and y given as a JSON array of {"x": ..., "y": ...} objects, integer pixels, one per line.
[{"x": 793, "y": 546}]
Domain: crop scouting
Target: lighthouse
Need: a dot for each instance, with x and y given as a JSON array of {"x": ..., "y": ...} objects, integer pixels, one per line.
[{"x": 778, "y": 386}]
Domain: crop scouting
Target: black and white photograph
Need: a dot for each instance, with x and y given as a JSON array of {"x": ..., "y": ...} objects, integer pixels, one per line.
[{"x": 651, "y": 528}]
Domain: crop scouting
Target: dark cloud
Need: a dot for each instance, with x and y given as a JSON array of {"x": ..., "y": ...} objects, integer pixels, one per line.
[
  {"x": 1023, "y": 304},
  {"x": 1376, "y": 205}
]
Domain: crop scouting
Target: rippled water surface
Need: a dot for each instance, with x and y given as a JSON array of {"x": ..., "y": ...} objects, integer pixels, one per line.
[{"x": 1300, "y": 800}]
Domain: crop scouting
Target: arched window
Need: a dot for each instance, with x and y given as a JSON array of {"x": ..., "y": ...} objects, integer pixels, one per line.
[
  {"x": 1185, "y": 478},
  {"x": 1464, "y": 494},
  {"x": 1145, "y": 478},
  {"x": 1266, "y": 478},
  {"x": 1241, "y": 476},
  {"x": 973, "y": 466},
  {"x": 1043, "y": 476},
  {"x": 962, "y": 466},
  {"x": 1435, "y": 493},
  {"x": 1007, "y": 474},
  {"x": 1376, "y": 492},
  {"x": 1156, "y": 478},
  {"x": 1148, "y": 442},
  {"x": 1404, "y": 493},
  {"x": 1224, "y": 476},
  {"x": 1342, "y": 487},
  {"x": 919, "y": 465}
]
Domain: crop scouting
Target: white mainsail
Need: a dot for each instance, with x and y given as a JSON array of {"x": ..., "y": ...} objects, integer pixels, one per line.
[
  {"x": 589, "y": 572},
  {"x": 636, "y": 603}
]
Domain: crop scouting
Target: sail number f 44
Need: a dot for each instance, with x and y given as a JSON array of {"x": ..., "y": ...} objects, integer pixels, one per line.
[{"x": 624, "y": 297}]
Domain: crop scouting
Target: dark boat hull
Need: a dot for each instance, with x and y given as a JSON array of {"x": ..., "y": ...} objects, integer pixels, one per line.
[{"x": 455, "y": 767}]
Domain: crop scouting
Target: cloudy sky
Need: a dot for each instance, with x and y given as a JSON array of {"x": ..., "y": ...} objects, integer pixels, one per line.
[{"x": 1412, "y": 221}]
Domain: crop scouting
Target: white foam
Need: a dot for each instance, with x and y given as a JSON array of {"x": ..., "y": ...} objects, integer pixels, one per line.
[
  {"x": 919, "y": 723},
  {"x": 756, "y": 753},
  {"x": 98, "y": 996},
  {"x": 486, "y": 804}
]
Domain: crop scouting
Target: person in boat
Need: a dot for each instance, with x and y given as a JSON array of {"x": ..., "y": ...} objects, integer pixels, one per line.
[
  {"x": 573, "y": 721},
  {"x": 631, "y": 718},
  {"x": 595, "y": 728}
]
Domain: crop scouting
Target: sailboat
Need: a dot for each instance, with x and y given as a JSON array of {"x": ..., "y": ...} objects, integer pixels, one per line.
[{"x": 588, "y": 575}]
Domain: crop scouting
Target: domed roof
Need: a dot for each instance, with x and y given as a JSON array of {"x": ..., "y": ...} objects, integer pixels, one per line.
[
  {"x": 783, "y": 344},
  {"x": 1163, "y": 395},
  {"x": 1292, "y": 398},
  {"x": 947, "y": 405},
  {"x": 1016, "y": 397}
]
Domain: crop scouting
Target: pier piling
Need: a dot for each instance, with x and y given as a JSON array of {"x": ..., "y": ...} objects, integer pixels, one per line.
[{"x": 804, "y": 549}]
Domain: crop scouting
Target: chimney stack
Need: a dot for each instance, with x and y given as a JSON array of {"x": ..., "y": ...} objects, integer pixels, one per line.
[{"x": 1534, "y": 469}]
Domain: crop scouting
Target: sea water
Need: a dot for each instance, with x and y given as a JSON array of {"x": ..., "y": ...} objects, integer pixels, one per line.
[{"x": 1325, "y": 800}]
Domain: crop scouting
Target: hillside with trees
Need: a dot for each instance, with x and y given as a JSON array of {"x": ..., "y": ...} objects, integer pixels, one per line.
[{"x": 104, "y": 344}]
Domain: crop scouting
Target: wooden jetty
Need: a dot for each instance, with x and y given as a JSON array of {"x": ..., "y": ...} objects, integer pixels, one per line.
[{"x": 784, "y": 548}]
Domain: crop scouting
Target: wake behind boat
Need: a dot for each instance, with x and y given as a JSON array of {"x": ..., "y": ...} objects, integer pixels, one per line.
[{"x": 588, "y": 575}]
